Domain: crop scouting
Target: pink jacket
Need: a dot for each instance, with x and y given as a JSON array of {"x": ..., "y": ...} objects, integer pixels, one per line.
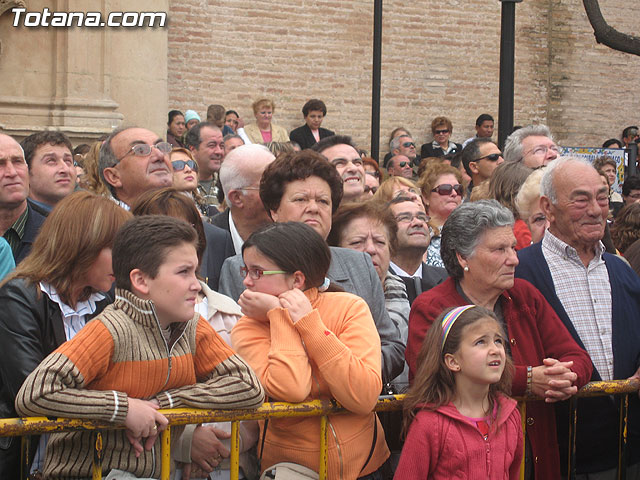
[{"x": 444, "y": 444}]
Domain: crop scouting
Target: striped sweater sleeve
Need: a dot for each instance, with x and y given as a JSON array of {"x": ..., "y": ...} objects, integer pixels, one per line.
[
  {"x": 58, "y": 386},
  {"x": 226, "y": 381}
]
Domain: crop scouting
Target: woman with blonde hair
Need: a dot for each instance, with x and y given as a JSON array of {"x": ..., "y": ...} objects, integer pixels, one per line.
[
  {"x": 395, "y": 186},
  {"x": 50, "y": 296},
  {"x": 263, "y": 131}
]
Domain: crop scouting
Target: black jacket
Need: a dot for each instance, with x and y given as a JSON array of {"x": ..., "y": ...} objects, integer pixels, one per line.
[
  {"x": 303, "y": 136},
  {"x": 31, "y": 327},
  {"x": 427, "y": 150},
  {"x": 35, "y": 219},
  {"x": 219, "y": 248}
]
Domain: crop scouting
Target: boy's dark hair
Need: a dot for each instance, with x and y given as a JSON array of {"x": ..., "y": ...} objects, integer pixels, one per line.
[
  {"x": 31, "y": 143},
  {"x": 143, "y": 243}
]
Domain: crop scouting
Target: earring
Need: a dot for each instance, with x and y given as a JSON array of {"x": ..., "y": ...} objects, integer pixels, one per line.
[{"x": 466, "y": 268}]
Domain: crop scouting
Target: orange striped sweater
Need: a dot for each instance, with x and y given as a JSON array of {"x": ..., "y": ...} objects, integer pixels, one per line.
[{"x": 122, "y": 353}]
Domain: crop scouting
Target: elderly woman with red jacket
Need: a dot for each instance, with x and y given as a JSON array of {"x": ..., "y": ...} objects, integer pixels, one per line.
[{"x": 478, "y": 252}]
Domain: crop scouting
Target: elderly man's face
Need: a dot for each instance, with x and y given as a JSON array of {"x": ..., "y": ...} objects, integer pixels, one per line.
[
  {"x": 400, "y": 166},
  {"x": 138, "y": 174},
  {"x": 407, "y": 147},
  {"x": 538, "y": 150},
  {"x": 14, "y": 181},
  {"x": 350, "y": 167},
  {"x": 580, "y": 214}
]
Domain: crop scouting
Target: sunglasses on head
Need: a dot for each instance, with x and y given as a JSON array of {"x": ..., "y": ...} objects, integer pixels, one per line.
[
  {"x": 493, "y": 157},
  {"x": 178, "y": 165},
  {"x": 446, "y": 188}
]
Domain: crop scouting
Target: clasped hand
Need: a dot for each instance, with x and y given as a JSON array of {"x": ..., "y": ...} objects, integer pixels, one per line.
[
  {"x": 554, "y": 380},
  {"x": 143, "y": 421}
]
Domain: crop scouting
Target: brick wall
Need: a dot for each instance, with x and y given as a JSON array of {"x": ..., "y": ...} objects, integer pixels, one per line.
[{"x": 438, "y": 58}]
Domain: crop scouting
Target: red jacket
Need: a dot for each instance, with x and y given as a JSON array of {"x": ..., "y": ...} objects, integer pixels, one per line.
[
  {"x": 444, "y": 444},
  {"x": 535, "y": 332}
]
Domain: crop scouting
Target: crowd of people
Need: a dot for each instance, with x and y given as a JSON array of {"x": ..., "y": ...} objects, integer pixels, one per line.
[{"x": 228, "y": 264}]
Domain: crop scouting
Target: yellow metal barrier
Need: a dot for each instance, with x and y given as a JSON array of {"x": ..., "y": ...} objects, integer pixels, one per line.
[{"x": 183, "y": 416}]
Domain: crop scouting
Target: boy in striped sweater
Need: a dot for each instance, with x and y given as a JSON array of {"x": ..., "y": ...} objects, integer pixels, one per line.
[{"x": 148, "y": 350}]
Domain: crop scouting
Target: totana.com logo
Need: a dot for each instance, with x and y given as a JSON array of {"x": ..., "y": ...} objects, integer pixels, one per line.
[{"x": 47, "y": 18}]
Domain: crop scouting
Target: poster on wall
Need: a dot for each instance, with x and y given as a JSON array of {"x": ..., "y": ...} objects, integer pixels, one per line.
[{"x": 590, "y": 154}]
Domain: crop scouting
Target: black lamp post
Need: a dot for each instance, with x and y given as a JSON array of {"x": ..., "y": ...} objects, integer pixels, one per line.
[{"x": 507, "y": 49}]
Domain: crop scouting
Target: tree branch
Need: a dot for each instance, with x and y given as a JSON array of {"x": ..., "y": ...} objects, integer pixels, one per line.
[{"x": 607, "y": 35}]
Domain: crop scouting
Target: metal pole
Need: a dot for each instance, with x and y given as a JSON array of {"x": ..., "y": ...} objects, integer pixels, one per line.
[
  {"x": 507, "y": 49},
  {"x": 375, "y": 88},
  {"x": 632, "y": 158}
]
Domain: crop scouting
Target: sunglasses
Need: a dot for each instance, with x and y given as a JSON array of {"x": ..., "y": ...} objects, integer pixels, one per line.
[
  {"x": 408, "y": 144},
  {"x": 404, "y": 164},
  {"x": 368, "y": 189},
  {"x": 493, "y": 157},
  {"x": 447, "y": 188},
  {"x": 178, "y": 165},
  {"x": 440, "y": 132}
]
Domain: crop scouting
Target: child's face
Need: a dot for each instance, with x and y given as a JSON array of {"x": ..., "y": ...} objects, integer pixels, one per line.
[
  {"x": 273, "y": 284},
  {"x": 174, "y": 289},
  {"x": 480, "y": 358}
]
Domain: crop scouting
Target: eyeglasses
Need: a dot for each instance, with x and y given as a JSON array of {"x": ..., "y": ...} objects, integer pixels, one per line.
[
  {"x": 256, "y": 273},
  {"x": 368, "y": 189},
  {"x": 408, "y": 217},
  {"x": 144, "y": 150},
  {"x": 441, "y": 132},
  {"x": 493, "y": 157},
  {"x": 409, "y": 144},
  {"x": 542, "y": 150},
  {"x": 447, "y": 188},
  {"x": 178, "y": 165}
]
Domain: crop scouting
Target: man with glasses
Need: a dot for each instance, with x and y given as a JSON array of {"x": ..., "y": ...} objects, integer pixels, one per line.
[
  {"x": 532, "y": 145},
  {"x": 133, "y": 161},
  {"x": 343, "y": 154},
  {"x": 240, "y": 178},
  {"x": 404, "y": 145},
  {"x": 400, "y": 166},
  {"x": 412, "y": 243},
  {"x": 480, "y": 158}
]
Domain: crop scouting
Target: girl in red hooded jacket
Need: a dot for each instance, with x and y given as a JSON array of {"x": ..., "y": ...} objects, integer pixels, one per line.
[{"x": 459, "y": 419}]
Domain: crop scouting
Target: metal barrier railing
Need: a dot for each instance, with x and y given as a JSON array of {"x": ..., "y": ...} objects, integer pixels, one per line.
[{"x": 183, "y": 416}]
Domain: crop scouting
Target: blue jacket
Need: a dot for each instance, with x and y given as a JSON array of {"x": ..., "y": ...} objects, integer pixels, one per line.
[{"x": 597, "y": 429}]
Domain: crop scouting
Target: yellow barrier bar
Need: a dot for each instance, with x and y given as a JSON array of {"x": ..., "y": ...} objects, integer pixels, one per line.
[
  {"x": 322, "y": 471},
  {"x": 97, "y": 457},
  {"x": 165, "y": 452},
  {"x": 235, "y": 451},
  {"x": 523, "y": 421}
]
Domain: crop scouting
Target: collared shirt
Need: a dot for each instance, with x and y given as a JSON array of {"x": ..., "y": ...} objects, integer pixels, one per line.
[
  {"x": 401, "y": 273},
  {"x": 120, "y": 203},
  {"x": 585, "y": 294},
  {"x": 235, "y": 235},
  {"x": 74, "y": 320},
  {"x": 16, "y": 231}
]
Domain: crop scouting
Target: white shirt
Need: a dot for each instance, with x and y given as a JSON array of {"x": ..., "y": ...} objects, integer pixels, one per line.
[
  {"x": 235, "y": 236},
  {"x": 401, "y": 273}
]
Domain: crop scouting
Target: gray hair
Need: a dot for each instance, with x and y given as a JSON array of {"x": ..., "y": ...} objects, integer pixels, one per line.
[
  {"x": 238, "y": 169},
  {"x": 547, "y": 188},
  {"x": 465, "y": 226},
  {"x": 512, "y": 151},
  {"x": 395, "y": 143},
  {"x": 108, "y": 158}
]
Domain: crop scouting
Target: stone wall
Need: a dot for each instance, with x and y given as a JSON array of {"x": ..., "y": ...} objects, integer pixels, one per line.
[{"x": 438, "y": 58}]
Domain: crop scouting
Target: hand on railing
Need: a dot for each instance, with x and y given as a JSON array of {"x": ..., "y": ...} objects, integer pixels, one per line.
[
  {"x": 553, "y": 380},
  {"x": 143, "y": 421},
  {"x": 207, "y": 451}
]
